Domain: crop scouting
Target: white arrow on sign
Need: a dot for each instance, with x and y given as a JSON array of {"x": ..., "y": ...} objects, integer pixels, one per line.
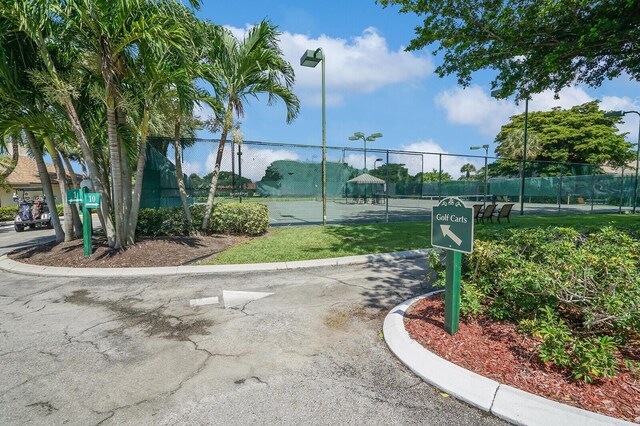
[{"x": 447, "y": 232}]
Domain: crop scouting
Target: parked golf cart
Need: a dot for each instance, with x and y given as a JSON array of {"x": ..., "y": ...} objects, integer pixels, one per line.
[{"x": 32, "y": 212}]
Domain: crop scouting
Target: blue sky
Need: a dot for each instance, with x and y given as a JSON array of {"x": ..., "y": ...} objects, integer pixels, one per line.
[{"x": 373, "y": 85}]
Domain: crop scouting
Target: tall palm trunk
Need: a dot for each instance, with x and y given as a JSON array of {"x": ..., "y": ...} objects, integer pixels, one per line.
[
  {"x": 177, "y": 147},
  {"x": 15, "y": 156},
  {"x": 126, "y": 172},
  {"x": 137, "y": 188},
  {"x": 216, "y": 169},
  {"x": 38, "y": 38},
  {"x": 67, "y": 224},
  {"x": 46, "y": 184}
]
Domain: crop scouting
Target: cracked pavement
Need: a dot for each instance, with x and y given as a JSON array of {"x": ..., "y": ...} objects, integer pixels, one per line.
[{"x": 132, "y": 351}]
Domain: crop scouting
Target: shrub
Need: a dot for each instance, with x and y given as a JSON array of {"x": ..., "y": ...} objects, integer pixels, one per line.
[
  {"x": 579, "y": 293},
  {"x": 240, "y": 218},
  {"x": 8, "y": 213},
  {"x": 232, "y": 218}
]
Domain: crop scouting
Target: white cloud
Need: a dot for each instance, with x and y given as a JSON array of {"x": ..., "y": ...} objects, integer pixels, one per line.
[
  {"x": 254, "y": 160},
  {"x": 450, "y": 164},
  {"x": 475, "y": 107},
  {"x": 630, "y": 121},
  {"x": 361, "y": 64},
  {"x": 189, "y": 167}
]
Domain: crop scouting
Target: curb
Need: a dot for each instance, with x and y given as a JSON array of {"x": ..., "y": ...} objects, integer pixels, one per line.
[
  {"x": 9, "y": 265},
  {"x": 508, "y": 403}
]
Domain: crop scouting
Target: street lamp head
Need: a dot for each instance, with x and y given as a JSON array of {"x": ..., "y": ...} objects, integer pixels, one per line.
[
  {"x": 353, "y": 138},
  {"x": 375, "y": 135},
  {"x": 379, "y": 159},
  {"x": 473, "y": 148},
  {"x": 311, "y": 58},
  {"x": 612, "y": 114},
  {"x": 370, "y": 138},
  {"x": 358, "y": 135}
]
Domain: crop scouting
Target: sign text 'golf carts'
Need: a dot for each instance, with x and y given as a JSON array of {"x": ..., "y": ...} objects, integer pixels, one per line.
[
  {"x": 452, "y": 230},
  {"x": 452, "y": 226}
]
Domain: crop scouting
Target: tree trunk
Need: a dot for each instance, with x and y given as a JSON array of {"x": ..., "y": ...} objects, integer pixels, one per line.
[
  {"x": 116, "y": 175},
  {"x": 216, "y": 169},
  {"x": 67, "y": 224},
  {"x": 15, "y": 155},
  {"x": 46, "y": 184},
  {"x": 126, "y": 172},
  {"x": 177, "y": 147},
  {"x": 137, "y": 188},
  {"x": 75, "y": 210}
]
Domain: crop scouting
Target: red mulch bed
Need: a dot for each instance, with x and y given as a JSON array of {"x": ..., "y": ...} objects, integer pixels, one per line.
[
  {"x": 496, "y": 350},
  {"x": 162, "y": 251}
]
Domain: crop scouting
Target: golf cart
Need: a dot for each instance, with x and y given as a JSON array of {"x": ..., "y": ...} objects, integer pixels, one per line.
[{"x": 32, "y": 212}]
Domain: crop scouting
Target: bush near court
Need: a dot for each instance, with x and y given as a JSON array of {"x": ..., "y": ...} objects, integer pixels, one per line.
[
  {"x": 227, "y": 218},
  {"x": 577, "y": 292}
]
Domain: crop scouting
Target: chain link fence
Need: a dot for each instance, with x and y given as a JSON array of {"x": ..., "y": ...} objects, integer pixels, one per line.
[{"x": 384, "y": 185}]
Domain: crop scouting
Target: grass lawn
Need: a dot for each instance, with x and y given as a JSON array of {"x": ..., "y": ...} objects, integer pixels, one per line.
[{"x": 317, "y": 242}]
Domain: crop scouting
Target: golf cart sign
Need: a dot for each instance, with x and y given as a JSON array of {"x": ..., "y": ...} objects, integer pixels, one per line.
[
  {"x": 452, "y": 230},
  {"x": 88, "y": 200},
  {"x": 452, "y": 226}
]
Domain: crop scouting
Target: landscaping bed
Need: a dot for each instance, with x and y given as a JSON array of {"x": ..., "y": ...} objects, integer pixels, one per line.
[
  {"x": 161, "y": 251},
  {"x": 497, "y": 350}
]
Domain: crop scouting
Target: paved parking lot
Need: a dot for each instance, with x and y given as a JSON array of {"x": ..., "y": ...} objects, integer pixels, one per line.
[{"x": 133, "y": 351}]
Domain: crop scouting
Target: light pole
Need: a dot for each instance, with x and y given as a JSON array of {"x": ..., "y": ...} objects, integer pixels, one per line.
[
  {"x": 486, "y": 154},
  {"x": 372, "y": 137},
  {"x": 311, "y": 58},
  {"x": 374, "y": 163},
  {"x": 610, "y": 114},
  {"x": 497, "y": 94}
]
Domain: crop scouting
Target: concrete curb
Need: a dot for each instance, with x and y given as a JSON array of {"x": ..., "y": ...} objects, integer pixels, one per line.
[
  {"x": 9, "y": 265},
  {"x": 506, "y": 402}
]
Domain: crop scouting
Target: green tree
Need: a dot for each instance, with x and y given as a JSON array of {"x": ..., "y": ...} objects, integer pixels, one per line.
[
  {"x": 434, "y": 176},
  {"x": 467, "y": 169},
  {"x": 580, "y": 134},
  {"x": 533, "y": 45},
  {"x": 246, "y": 68},
  {"x": 394, "y": 173}
]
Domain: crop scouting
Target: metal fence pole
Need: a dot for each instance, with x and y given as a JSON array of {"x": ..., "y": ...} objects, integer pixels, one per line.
[
  {"x": 560, "y": 188},
  {"x": 422, "y": 176},
  {"x": 439, "y": 177},
  {"x": 233, "y": 168},
  {"x": 593, "y": 186},
  {"x": 240, "y": 169},
  {"x": 387, "y": 191},
  {"x": 621, "y": 190}
]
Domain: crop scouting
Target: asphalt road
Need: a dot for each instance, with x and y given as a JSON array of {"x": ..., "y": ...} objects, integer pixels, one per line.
[{"x": 133, "y": 351}]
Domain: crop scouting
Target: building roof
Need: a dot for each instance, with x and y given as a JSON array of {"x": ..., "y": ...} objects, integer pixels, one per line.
[
  {"x": 366, "y": 178},
  {"x": 26, "y": 173}
]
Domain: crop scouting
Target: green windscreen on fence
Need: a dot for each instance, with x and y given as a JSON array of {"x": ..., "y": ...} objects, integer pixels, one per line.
[{"x": 159, "y": 182}]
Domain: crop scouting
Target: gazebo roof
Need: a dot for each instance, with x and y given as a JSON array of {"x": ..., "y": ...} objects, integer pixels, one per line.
[{"x": 366, "y": 178}]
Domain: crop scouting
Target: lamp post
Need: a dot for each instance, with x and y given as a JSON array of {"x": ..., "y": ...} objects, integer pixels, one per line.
[
  {"x": 496, "y": 94},
  {"x": 486, "y": 154},
  {"x": 374, "y": 163},
  {"x": 372, "y": 137},
  {"x": 311, "y": 58},
  {"x": 611, "y": 114}
]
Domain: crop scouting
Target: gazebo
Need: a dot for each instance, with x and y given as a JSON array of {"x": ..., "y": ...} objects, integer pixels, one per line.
[{"x": 365, "y": 185}]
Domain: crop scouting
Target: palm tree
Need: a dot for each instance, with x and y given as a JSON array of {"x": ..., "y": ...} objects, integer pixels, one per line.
[
  {"x": 511, "y": 146},
  {"x": 468, "y": 169},
  {"x": 242, "y": 69}
]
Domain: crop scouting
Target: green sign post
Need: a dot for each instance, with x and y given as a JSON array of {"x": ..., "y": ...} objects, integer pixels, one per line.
[
  {"x": 452, "y": 230},
  {"x": 88, "y": 200}
]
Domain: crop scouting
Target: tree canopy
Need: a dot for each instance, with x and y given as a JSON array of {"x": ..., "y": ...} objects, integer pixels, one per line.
[
  {"x": 534, "y": 45},
  {"x": 581, "y": 134}
]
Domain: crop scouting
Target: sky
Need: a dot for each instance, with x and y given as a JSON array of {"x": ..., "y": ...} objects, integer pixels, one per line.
[{"x": 374, "y": 85}]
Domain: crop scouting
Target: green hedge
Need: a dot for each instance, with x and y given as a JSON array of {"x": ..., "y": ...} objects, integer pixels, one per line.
[
  {"x": 578, "y": 293},
  {"x": 8, "y": 213},
  {"x": 228, "y": 218}
]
